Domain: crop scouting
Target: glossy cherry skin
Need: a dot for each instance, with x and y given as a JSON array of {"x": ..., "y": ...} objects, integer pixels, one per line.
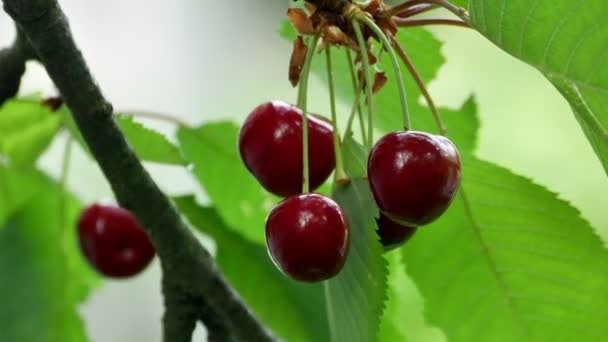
[
  {"x": 270, "y": 145},
  {"x": 307, "y": 237},
  {"x": 113, "y": 242},
  {"x": 393, "y": 234},
  {"x": 413, "y": 176}
]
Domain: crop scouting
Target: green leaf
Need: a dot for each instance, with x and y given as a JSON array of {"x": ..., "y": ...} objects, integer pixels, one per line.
[
  {"x": 355, "y": 297},
  {"x": 403, "y": 319},
  {"x": 26, "y": 130},
  {"x": 510, "y": 262},
  {"x": 566, "y": 41},
  {"x": 149, "y": 145},
  {"x": 70, "y": 124},
  {"x": 44, "y": 278},
  {"x": 239, "y": 199},
  {"x": 294, "y": 311},
  {"x": 461, "y": 3},
  {"x": 17, "y": 186}
]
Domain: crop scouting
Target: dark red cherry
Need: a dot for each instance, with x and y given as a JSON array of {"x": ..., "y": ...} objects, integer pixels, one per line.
[
  {"x": 307, "y": 237},
  {"x": 113, "y": 242},
  {"x": 270, "y": 144},
  {"x": 413, "y": 176},
  {"x": 393, "y": 234}
]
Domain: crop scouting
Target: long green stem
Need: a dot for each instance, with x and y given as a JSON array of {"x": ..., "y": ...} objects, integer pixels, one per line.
[
  {"x": 154, "y": 116},
  {"x": 63, "y": 178},
  {"x": 356, "y": 90},
  {"x": 353, "y": 112},
  {"x": 387, "y": 46},
  {"x": 340, "y": 174},
  {"x": 62, "y": 215},
  {"x": 302, "y": 103},
  {"x": 368, "y": 83},
  {"x": 420, "y": 82}
]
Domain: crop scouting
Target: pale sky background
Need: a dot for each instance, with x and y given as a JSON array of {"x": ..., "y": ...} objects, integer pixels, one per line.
[{"x": 209, "y": 60}]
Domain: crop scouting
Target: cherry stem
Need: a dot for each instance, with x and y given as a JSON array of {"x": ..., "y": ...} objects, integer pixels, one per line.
[
  {"x": 418, "y": 79},
  {"x": 351, "y": 117},
  {"x": 397, "y": 10},
  {"x": 340, "y": 174},
  {"x": 153, "y": 115},
  {"x": 387, "y": 46},
  {"x": 458, "y": 11},
  {"x": 63, "y": 211},
  {"x": 357, "y": 91},
  {"x": 415, "y": 10},
  {"x": 423, "y": 22},
  {"x": 302, "y": 103},
  {"x": 368, "y": 83},
  {"x": 63, "y": 178}
]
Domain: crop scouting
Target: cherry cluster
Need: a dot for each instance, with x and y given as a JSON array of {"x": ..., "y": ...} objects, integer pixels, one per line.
[
  {"x": 413, "y": 176},
  {"x": 307, "y": 234}
]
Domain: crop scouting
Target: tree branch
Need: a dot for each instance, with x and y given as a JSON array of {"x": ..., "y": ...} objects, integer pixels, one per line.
[
  {"x": 188, "y": 269},
  {"x": 12, "y": 66}
]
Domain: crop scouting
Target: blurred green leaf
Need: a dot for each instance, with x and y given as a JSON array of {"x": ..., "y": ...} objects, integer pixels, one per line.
[
  {"x": 148, "y": 144},
  {"x": 566, "y": 41},
  {"x": 239, "y": 199},
  {"x": 70, "y": 124},
  {"x": 461, "y": 3},
  {"x": 44, "y": 278},
  {"x": 403, "y": 319},
  {"x": 26, "y": 130},
  {"x": 295, "y": 311},
  {"x": 510, "y": 262},
  {"x": 17, "y": 186},
  {"x": 397, "y": 313},
  {"x": 356, "y": 295}
]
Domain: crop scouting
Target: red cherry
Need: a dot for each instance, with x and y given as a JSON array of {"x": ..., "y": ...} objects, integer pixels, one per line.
[
  {"x": 307, "y": 237},
  {"x": 270, "y": 144},
  {"x": 392, "y": 234},
  {"x": 413, "y": 176},
  {"x": 113, "y": 242}
]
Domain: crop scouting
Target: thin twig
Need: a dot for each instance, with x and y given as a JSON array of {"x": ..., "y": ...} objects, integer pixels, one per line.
[
  {"x": 424, "y": 22},
  {"x": 402, "y": 7},
  {"x": 144, "y": 114},
  {"x": 12, "y": 66},
  {"x": 415, "y": 10},
  {"x": 188, "y": 269}
]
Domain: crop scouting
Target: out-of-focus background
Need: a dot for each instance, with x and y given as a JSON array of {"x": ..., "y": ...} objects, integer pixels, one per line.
[{"x": 209, "y": 60}]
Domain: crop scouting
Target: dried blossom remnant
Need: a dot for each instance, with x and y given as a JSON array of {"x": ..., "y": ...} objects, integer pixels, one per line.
[
  {"x": 379, "y": 81},
  {"x": 300, "y": 21},
  {"x": 370, "y": 57},
  {"x": 52, "y": 103},
  {"x": 329, "y": 5},
  {"x": 376, "y": 9},
  {"x": 298, "y": 56},
  {"x": 333, "y": 35}
]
